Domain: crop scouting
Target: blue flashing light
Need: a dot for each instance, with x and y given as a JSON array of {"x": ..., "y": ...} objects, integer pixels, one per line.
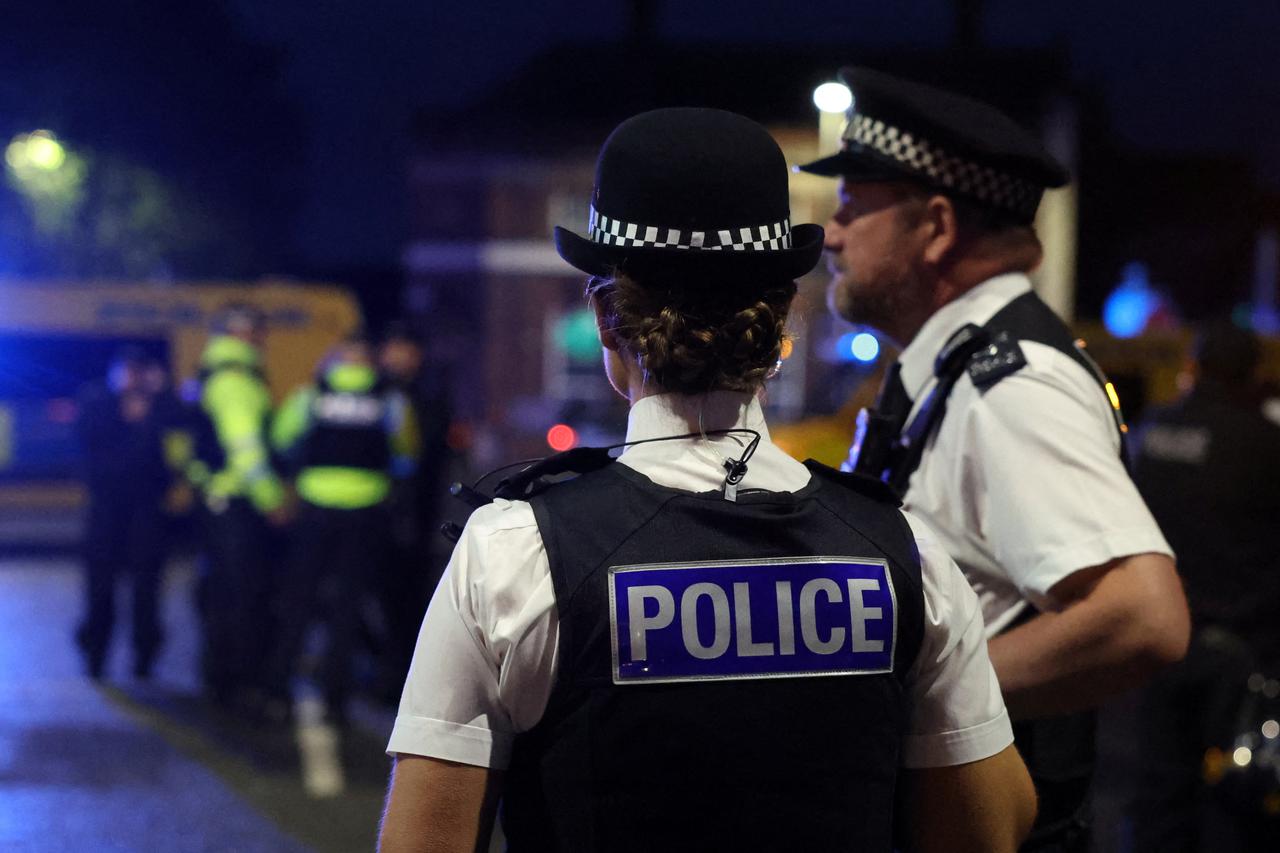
[
  {"x": 857, "y": 346},
  {"x": 865, "y": 347},
  {"x": 1128, "y": 308}
]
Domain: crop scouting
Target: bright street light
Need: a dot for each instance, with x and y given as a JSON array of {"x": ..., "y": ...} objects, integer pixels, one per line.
[
  {"x": 832, "y": 97},
  {"x": 39, "y": 150}
]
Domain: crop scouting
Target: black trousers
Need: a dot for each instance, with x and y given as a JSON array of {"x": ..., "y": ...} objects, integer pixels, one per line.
[
  {"x": 335, "y": 559},
  {"x": 124, "y": 535},
  {"x": 235, "y": 598}
]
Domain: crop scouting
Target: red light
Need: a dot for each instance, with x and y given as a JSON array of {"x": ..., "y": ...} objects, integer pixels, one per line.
[
  {"x": 459, "y": 436},
  {"x": 562, "y": 437}
]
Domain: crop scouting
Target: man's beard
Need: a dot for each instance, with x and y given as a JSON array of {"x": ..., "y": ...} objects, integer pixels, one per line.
[{"x": 886, "y": 305}]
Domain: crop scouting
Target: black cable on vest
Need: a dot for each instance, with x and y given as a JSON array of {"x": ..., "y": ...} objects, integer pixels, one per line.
[{"x": 735, "y": 469}]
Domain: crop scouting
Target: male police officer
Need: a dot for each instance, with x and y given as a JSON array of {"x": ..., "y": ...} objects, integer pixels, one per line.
[
  {"x": 993, "y": 423},
  {"x": 346, "y": 436},
  {"x": 241, "y": 494}
]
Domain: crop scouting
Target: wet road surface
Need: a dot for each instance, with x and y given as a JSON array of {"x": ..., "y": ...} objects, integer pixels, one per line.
[{"x": 123, "y": 765}]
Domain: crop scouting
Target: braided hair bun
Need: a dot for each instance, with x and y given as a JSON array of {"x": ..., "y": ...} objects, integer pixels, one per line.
[{"x": 694, "y": 337}]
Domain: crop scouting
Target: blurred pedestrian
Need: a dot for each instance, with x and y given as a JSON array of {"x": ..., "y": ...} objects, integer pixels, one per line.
[
  {"x": 347, "y": 437},
  {"x": 242, "y": 498},
  {"x": 122, "y": 425},
  {"x": 1209, "y": 468},
  {"x": 414, "y": 566}
]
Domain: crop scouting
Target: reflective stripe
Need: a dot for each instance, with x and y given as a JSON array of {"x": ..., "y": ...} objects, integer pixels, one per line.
[{"x": 343, "y": 488}]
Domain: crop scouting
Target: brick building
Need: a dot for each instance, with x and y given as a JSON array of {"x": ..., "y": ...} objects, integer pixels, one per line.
[{"x": 490, "y": 181}]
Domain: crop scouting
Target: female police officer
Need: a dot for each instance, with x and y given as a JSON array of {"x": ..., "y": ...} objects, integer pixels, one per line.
[{"x": 705, "y": 644}]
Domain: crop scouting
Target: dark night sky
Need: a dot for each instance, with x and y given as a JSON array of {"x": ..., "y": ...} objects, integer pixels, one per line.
[{"x": 1178, "y": 75}]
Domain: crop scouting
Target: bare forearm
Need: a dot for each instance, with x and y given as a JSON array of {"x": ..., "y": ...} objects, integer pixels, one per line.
[
  {"x": 438, "y": 806},
  {"x": 1129, "y": 621},
  {"x": 986, "y": 806},
  {"x": 1054, "y": 664}
]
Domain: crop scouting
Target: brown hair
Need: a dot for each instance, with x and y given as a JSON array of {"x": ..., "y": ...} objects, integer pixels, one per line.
[{"x": 696, "y": 336}]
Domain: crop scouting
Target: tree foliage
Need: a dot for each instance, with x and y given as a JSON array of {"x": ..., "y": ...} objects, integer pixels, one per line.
[{"x": 189, "y": 151}]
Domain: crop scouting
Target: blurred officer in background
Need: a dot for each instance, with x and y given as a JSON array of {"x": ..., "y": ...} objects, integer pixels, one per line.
[
  {"x": 582, "y": 657},
  {"x": 242, "y": 498},
  {"x": 413, "y": 567},
  {"x": 347, "y": 437},
  {"x": 994, "y": 424},
  {"x": 122, "y": 428},
  {"x": 1209, "y": 467}
]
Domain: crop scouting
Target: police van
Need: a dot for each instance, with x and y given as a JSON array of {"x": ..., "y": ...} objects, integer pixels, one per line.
[{"x": 56, "y": 337}]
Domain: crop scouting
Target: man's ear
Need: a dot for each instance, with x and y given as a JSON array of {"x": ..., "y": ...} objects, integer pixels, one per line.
[{"x": 943, "y": 229}]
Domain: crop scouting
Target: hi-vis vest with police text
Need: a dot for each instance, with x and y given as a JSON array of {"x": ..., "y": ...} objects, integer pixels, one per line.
[
  {"x": 730, "y": 674},
  {"x": 348, "y": 430}
]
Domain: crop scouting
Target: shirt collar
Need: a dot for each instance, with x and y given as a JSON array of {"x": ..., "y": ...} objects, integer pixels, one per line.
[
  {"x": 976, "y": 306},
  {"x": 697, "y": 464},
  {"x": 663, "y": 415}
]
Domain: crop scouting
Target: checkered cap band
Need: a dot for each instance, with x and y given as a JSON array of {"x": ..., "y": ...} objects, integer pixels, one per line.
[
  {"x": 988, "y": 185},
  {"x": 614, "y": 232}
]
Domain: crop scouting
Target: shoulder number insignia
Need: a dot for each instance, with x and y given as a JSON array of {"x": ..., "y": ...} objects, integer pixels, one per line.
[{"x": 992, "y": 363}]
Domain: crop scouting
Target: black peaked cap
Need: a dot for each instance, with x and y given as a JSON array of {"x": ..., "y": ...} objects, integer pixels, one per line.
[
  {"x": 902, "y": 130},
  {"x": 693, "y": 190}
]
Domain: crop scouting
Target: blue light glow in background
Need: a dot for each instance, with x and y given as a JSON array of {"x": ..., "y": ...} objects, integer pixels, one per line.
[
  {"x": 1128, "y": 308},
  {"x": 857, "y": 346}
]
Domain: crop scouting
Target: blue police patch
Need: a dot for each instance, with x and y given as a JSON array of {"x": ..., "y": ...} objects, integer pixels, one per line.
[{"x": 784, "y": 618}]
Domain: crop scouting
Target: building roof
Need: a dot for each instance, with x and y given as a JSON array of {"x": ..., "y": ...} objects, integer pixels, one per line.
[{"x": 571, "y": 96}]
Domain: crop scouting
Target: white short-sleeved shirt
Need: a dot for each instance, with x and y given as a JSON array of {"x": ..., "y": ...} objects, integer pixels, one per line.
[
  {"x": 1023, "y": 482},
  {"x": 486, "y": 657}
]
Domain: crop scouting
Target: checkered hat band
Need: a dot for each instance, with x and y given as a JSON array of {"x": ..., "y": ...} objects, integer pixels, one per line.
[
  {"x": 939, "y": 167},
  {"x": 614, "y": 232}
]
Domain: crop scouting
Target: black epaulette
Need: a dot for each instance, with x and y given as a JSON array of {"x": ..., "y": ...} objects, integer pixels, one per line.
[
  {"x": 868, "y": 487},
  {"x": 1002, "y": 357}
]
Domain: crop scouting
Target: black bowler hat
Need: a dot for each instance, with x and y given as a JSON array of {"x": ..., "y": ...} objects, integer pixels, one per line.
[
  {"x": 900, "y": 130},
  {"x": 696, "y": 191}
]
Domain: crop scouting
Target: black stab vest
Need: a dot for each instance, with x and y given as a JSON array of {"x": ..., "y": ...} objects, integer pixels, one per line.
[
  {"x": 348, "y": 429},
  {"x": 795, "y": 763}
]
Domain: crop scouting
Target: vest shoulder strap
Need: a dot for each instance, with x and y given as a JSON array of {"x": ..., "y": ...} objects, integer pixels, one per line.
[
  {"x": 1026, "y": 318},
  {"x": 541, "y": 475},
  {"x": 208, "y": 371},
  {"x": 868, "y": 487}
]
